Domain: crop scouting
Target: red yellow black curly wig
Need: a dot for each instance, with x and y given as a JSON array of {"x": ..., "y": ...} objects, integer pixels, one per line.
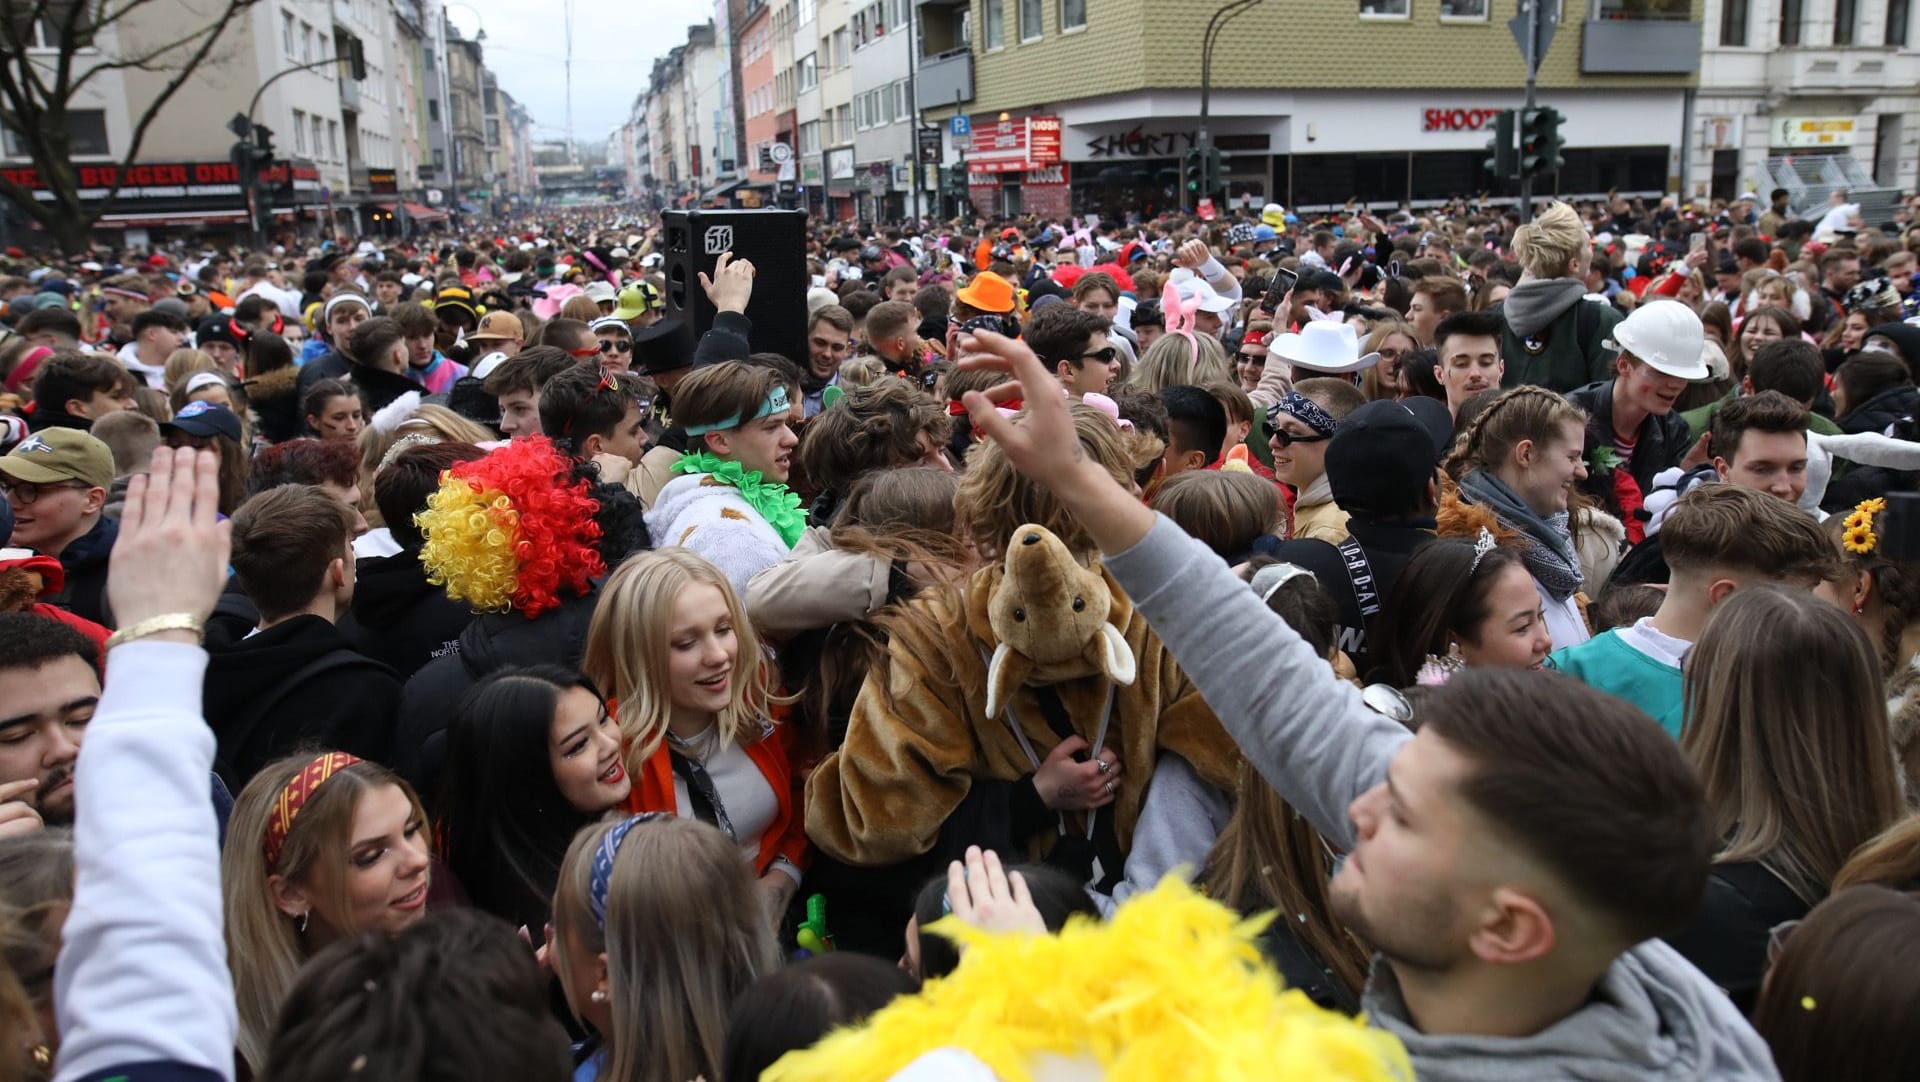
[{"x": 514, "y": 530}]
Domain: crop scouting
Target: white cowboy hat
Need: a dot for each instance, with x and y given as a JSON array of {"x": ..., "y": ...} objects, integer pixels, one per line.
[{"x": 1332, "y": 348}]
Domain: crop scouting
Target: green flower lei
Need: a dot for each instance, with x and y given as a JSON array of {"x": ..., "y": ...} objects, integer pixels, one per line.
[{"x": 775, "y": 502}]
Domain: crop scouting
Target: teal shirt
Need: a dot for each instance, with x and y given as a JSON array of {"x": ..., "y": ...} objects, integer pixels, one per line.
[{"x": 1605, "y": 662}]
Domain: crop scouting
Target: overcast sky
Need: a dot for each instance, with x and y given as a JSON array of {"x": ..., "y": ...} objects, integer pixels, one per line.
[{"x": 526, "y": 49}]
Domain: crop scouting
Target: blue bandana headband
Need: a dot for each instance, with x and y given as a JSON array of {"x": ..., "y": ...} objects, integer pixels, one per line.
[
  {"x": 776, "y": 403},
  {"x": 1307, "y": 412},
  {"x": 602, "y": 873}
]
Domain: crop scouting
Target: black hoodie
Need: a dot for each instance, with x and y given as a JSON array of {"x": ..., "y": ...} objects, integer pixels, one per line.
[
  {"x": 260, "y": 712},
  {"x": 490, "y": 643},
  {"x": 399, "y": 618}
]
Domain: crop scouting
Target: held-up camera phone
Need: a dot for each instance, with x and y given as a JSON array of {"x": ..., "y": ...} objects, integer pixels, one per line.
[
  {"x": 1283, "y": 281},
  {"x": 1697, "y": 242}
]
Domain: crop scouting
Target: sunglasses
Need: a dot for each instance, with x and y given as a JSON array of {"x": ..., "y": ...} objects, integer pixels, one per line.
[
  {"x": 1104, "y": 356},
  {"x": 616, "y": 345},
  {"x": 1244, "y": 357}
]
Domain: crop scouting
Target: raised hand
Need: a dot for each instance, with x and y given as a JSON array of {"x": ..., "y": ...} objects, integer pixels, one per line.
[
  {"x": 731, "y": 286},
  {"x": 171, "y": 556}
]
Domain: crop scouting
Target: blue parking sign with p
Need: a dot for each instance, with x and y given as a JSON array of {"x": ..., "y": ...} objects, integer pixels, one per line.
[{"x": 960, "y": 125}]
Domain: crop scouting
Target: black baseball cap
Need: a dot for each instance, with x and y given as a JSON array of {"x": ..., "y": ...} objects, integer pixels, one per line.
[
  {"x": 205, "y": 419},
  {"x": 1383, "y": 456}
]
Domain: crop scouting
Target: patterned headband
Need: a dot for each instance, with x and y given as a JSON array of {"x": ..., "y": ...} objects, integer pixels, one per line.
[
  {"x": 300, "y": 789},
  {"x": 1307, "y": 412},
  {"x": 121, "y": 292},
  {"x": 601, "y": 875}
]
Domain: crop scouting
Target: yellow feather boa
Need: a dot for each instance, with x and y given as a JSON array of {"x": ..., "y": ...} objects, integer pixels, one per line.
[{"x": 1173, "y": 987}]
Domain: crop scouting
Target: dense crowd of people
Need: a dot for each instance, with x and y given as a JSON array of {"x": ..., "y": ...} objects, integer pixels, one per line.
[{"x": 445, "y": 658}]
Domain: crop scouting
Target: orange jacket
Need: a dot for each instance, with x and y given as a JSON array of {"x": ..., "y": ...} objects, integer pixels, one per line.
[{"x": 786, "y": 836}]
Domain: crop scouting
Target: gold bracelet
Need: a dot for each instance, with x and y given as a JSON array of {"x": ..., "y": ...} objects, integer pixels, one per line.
[{"x": 154, "y": 625}]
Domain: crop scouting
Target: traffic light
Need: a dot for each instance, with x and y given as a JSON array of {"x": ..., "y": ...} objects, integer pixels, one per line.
[
  {"x": 1540, "y": 142},
  {"x": 1502, "y": 160},
  {"x": 1216, "y": 171},
  {"x": 1193, "y": 174},
  {"x": 262, "y": 148}
]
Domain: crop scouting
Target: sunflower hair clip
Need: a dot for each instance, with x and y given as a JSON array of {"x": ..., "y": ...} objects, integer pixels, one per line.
[{"x": 1858, "y": 536}]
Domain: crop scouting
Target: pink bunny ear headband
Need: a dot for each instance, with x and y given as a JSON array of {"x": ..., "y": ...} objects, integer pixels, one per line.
[{"x": 1179, "y": 313}]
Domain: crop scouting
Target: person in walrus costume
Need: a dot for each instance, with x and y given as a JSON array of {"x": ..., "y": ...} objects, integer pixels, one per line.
[{"x": 1023, "y": 711}]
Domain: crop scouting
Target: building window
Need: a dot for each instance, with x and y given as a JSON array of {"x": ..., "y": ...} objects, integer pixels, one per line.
[
  {"x": 1845, "y": 14},
  {"x": 1630, "y": 10},
  {"x": 804, "y": 15},
  {"x": 996, "y": 23},
  {"x": 902, "y": 104},
  {"x": 1899, "y": 14},
  {"x": 1464, "y": 10},
  {"x": 433, "y": 110},
  {"x": 306, "y": 43},
  {"x": 333, "y": 140},
  {"x": 809, "y": 74},
  {"x": 842, "y": 56},
  {"x": 286, "y": 33},
  {"x": 319, "y": 136},
  {"x": 843, "y": 123},
  {"x": 439, "y": 159},
  {"x": 1385, "y": 9},
  {"x": 86, "y": 136},
  {"x": 299, "y": 132},
  {"x": 1073, "y": 14},
  {"x": 1733, "y": 22},
  {"x": 1791, "y": 15},
  {"x": 1029, "y": 20}
]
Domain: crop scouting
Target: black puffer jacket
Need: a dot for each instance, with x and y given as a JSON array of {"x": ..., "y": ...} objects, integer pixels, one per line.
[
  {"x": 1879, "y": 413},
  {"x": 490, "y": 643},
  {"x": 399, "y": 618}
]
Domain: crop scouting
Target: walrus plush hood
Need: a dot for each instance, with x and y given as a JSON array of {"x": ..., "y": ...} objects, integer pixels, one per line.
[
  {"x": 1537, "y": 302},
  {"x": 1050, "y": 616},
  {"x": 1652, "y": 1018}
]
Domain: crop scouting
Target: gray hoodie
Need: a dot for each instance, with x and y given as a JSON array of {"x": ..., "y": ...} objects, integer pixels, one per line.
[
  {"x": 1652, "y": 1017},
  {"x": 1536, "y": 302}
]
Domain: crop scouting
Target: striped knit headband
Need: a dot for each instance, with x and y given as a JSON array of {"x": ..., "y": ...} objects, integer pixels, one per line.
[{"x": 300, "y": 789}]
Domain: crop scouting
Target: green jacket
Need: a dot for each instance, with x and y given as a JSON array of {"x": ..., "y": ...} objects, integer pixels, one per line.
[
  {"x": 1553, "y": 336},
  {"x": 1699, "y": 420}
]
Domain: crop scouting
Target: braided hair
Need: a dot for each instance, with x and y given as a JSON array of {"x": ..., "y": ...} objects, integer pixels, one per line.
[{"x": 1526, "y": 412}]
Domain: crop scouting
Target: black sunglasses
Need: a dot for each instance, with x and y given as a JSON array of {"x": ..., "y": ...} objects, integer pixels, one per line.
[
  {"x": 616, "y": 345},
  {"x": 1283, "y": 438},
  {"x": 1104, "y": 356},
  {"x": 1244, "y": 357}
]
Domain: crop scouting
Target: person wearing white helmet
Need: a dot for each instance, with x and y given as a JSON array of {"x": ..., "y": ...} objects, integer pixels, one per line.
[{"x": 1631, "y": 422}]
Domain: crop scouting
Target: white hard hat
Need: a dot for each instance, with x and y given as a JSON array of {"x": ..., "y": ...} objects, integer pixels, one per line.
[{"x": 1668, "y": 337}]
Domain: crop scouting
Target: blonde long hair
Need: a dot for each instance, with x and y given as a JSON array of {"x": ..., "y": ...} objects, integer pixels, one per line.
[
  {"x": 627, "y": 652},
  {"x": 264, "y": 951},
  {"x": 686, "y": 934},
  {"x": 1547, "y": 244},
  {"x": 1787, "y": 727}
]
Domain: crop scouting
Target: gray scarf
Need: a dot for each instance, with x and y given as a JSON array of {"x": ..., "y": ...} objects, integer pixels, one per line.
[{"x": 1549, "y": 554}]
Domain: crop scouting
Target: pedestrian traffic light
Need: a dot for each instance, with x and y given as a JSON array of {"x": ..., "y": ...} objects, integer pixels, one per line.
[
  {"x": 1540, "y": 142},
  {"x": 1502, "y": 157},
  {"x": 1193, "y": 178}
]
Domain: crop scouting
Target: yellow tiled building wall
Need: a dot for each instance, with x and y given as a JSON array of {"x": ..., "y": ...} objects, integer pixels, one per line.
[{"x": 1130, "y": 45}]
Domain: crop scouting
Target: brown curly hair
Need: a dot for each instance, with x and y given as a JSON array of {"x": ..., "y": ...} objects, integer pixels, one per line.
[{"x": 877, "y": 426}]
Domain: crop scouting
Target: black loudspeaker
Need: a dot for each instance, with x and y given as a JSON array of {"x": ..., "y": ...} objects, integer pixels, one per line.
[{"x": 774, "y": 241}]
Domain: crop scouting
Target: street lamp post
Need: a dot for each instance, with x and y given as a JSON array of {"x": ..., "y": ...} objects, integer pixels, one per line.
[{"x": 1202, "y": 138}]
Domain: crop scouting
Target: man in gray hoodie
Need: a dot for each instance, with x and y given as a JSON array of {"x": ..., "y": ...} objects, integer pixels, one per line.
[{"x": 1513, "y": 862}]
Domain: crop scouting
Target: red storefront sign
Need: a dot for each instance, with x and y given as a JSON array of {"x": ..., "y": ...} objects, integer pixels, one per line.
[
  {"x": 162, "y": 180},
  {"x": 1456, "y": 119},
  {"x": 1014, "y": 146}
]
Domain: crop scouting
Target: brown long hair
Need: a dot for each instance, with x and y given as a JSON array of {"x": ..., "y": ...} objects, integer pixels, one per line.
[
  {"x": 1840, "y": 1001},
  {"x": 1786, "y": 725},
  {"x": 263, "y": 944},
  {"x": 686, "y": 934},
  {"x": 1895, "y": 582},
  {"x": 1522, "y": 413}
]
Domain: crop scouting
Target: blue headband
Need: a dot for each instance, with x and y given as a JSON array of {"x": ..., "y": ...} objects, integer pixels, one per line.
[
  {"x": 776, "y": 403},
  {"x": 602, "y": 873}
]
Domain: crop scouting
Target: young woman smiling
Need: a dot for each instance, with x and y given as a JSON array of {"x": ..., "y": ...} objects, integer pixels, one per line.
[
  {"x": 1461, "y": 603},
  {"x": 1520, "y": 458},
  {"x": 532, "y": 757},
  {"x": 672, "y": 647},
  {"x": 319, "y": 847}
]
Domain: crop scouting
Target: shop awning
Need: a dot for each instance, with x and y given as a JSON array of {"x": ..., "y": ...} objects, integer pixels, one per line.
[
  {"x": 423, "y": 214},
  {"x": 155, "y": 218},
  {"x": 385, "y": 206}
]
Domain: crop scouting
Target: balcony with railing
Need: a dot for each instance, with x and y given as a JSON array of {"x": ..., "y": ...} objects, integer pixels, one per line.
[
  {"x": 1641, "y": 37},
  {"x": 1846, "y": 69},
  {"x": 946, "y": 79}
]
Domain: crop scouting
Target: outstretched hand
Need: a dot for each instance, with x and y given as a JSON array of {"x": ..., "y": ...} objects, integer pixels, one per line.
[
  {"x": 983, "y": 894},
  {"x": 731, "y": 286},
  {"x": 171, "y": 556}
]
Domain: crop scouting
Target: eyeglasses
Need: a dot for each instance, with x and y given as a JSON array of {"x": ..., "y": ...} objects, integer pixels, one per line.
[
  {"x": 26, "y": 493},
  {"x": 1104, "y": 356},
  {"x": 616, "y": 345}
]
